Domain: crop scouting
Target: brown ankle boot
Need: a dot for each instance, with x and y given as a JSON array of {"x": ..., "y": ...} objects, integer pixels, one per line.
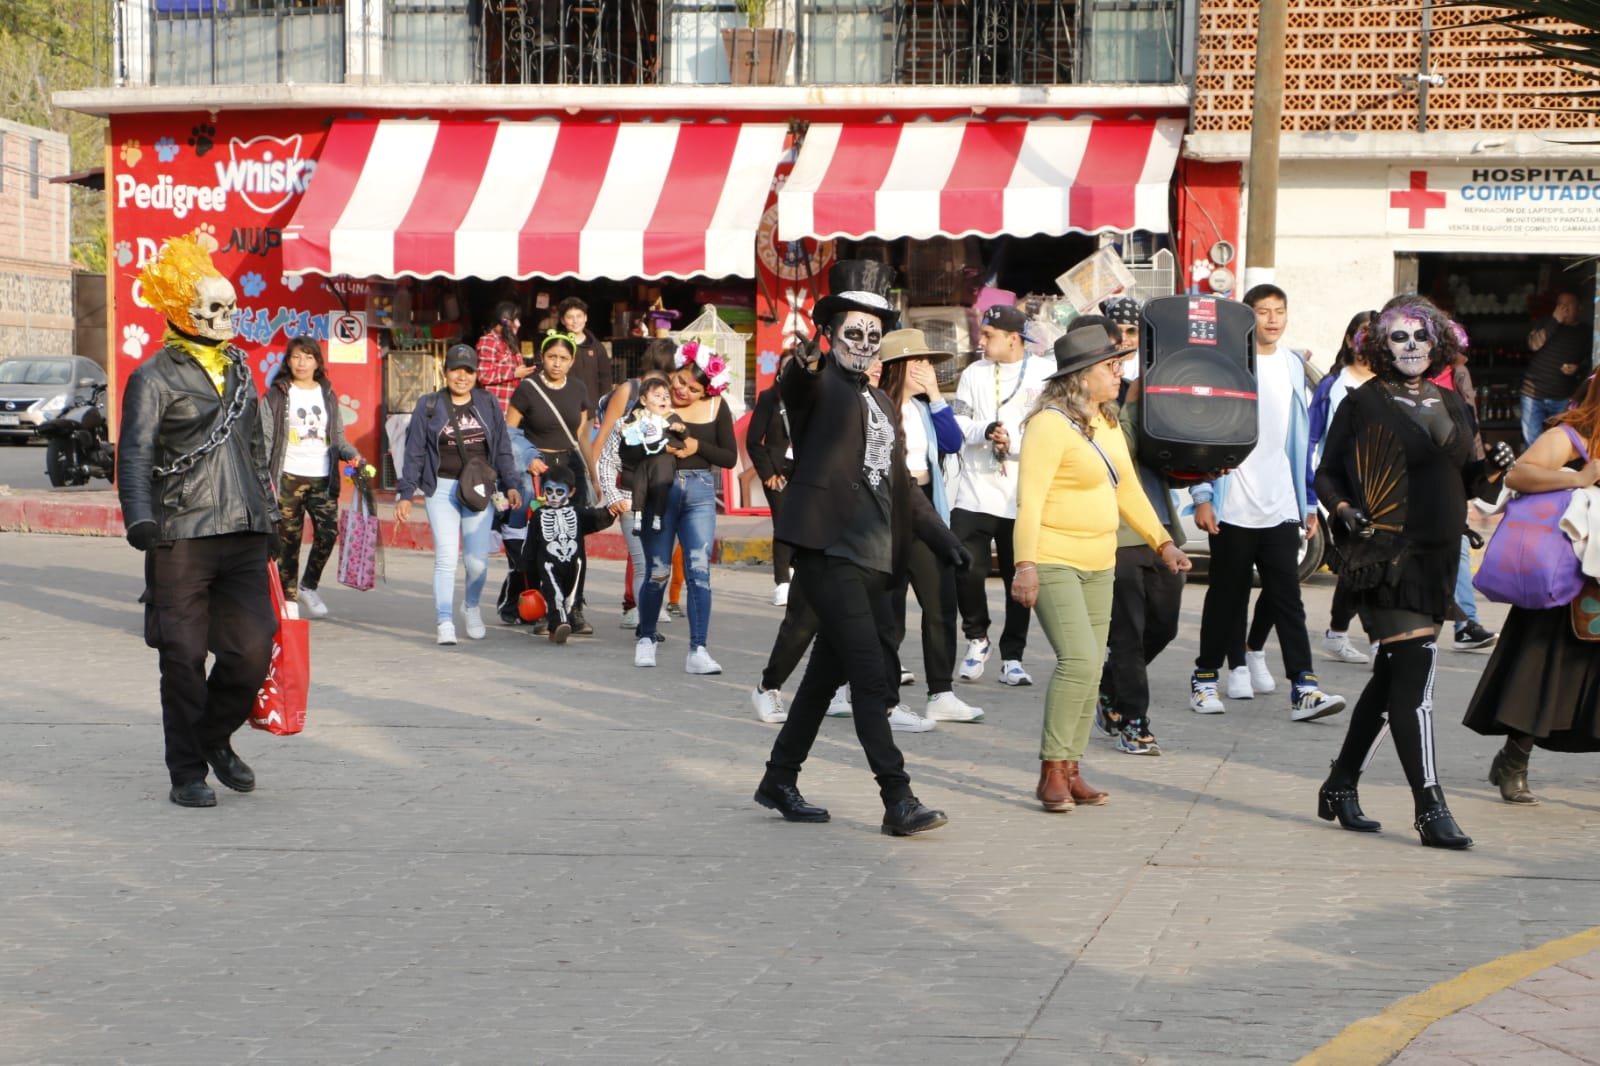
[
  {"x": 1054, "y": 792},
  {"x": 1081, "y": 792}
]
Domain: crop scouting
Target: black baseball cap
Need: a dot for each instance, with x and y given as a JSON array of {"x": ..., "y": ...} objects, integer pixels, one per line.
[{"x": 1006, "y": 317}]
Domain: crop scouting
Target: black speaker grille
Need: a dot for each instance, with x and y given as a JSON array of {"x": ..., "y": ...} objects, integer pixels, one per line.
[{"x": 1200, "y": 396}]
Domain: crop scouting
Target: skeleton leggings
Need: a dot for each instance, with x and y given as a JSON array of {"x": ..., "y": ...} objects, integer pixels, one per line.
[{"x": 300, "y": 498}]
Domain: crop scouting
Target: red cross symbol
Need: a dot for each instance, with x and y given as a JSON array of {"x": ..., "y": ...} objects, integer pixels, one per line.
[{"x": 1417, "y": 199}]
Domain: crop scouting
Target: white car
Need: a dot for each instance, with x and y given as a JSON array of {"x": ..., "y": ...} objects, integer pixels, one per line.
[{"x": 37, "y": 388}]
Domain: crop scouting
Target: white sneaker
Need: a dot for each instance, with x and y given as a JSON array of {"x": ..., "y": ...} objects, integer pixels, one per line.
[
  {"x": 1012, "y": 673},
  {"x": 907, "y": 677},
  {"x": 474, "y": 619},
  {"x": 313, "y": 604},
  {"x": 769, "y": 704},
  {"x": 1260, "y": 677},
  {"x": 700, "y": 662},
  {"x": 447, "y": 632},
  {"x": 1310, "y": 703},
  {"x": 839, "y": 706},
  {"x": 903, "y": 720},
  {"x": 780, "y": 595},
  {"x": 1203, "y": 694},
  {"x": 630, "y": 618},
  {"x": 1337, "y": 645},
  {"x": 948, "y": 707},
  {"x": 1239, "y": 683},
  {"x": 644, "y": 651},
  {"x": 977, "y": 655}
]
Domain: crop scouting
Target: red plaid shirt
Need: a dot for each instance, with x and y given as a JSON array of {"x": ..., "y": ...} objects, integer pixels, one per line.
[{"x": 497, "y": 367}]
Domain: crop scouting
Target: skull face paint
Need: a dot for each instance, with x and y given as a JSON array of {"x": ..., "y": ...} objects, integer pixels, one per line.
[
  {"x": 556, "y": 494},
  {"x": 1411, "y": 345},
  {"x": 855, "y": 339},
  {"x": 213, "y": 308}
]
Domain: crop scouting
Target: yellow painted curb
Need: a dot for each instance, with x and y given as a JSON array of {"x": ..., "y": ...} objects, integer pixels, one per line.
[
  {"x": 744, "y": 550},
  {"x": 1378, "y": 1039}
]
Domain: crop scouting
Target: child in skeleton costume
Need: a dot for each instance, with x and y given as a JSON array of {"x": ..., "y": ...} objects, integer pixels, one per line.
[
  {"x": 1396, "y": 469},
  {"x": 553, "y": 551},
  {"x": 647, "y": 432},
  {"x": 192, "y": 477}
]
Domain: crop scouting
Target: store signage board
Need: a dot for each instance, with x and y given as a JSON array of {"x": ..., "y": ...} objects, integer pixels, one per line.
[
  {"x": 1093, "y": 279},
  {"x": 1544, "y": 200},
  {"x": 347, "y": 337}
]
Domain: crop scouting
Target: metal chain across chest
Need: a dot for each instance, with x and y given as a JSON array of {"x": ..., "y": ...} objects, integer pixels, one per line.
[{"x": 243, "y": 391}]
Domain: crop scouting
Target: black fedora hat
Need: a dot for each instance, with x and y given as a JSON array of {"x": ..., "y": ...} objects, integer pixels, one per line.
[
  {"x": 1083, "y": 346},
  {"x": 858, "y": 285}
]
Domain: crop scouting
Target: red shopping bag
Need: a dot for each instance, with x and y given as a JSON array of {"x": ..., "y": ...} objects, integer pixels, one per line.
[{"x": 281, "y": 704}]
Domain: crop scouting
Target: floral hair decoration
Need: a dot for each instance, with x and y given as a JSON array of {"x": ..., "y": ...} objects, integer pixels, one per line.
[{"x": 709, "y": 363}]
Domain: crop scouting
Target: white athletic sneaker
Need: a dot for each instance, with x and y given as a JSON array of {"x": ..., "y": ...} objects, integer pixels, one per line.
[
  {"x": 644, "y": 652},
  {"x": 1203, "y": 693},
  {"x": 839, "y": 706},
  {"x": 907, "y": 677},
  {"x": 1012, "y": 673},
  {"x": 1260, "y": 677},
  {"x": 630, "y": 618},
  {"x": 313, "y": 604},
  {"x": 447, "y": 632},
  {"x": 780, "y": 595},
  {"x": 474, "y": 619},
  {"x": 948, "y": 707},
  {"x": 701, "y": 662},
  {"x": 769, "y": 704},
  {"x": 903, "y": 720},
  {"x": 1336, "y": 645},
  {"x": 1239, "y": 683},
  {"x": 977, "y": 655}
]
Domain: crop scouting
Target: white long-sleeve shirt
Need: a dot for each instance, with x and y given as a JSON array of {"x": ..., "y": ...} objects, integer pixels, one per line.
[{"x": 983, "y": 483}]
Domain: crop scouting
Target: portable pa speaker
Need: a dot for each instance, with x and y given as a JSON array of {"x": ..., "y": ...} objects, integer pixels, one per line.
[{"x": 1198, "y": 365}]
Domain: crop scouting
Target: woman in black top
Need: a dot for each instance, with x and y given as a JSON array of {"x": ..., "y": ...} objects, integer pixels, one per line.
[
  {"x": 1395, "y": 472},
  {"x": 691, "y": 515}
]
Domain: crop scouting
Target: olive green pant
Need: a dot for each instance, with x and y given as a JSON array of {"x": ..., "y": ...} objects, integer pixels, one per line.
[{"x": 1074, "y": 610}]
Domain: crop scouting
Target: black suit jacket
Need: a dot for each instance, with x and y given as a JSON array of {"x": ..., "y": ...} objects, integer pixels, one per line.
[
  {"x": 766, "y": 438},
  {"x": 829, "y": 427}
]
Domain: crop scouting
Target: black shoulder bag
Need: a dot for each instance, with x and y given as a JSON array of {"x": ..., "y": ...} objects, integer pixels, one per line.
[{"x": 478, "y": 479}]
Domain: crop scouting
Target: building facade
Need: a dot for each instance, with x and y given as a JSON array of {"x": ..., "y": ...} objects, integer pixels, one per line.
[{"x": 36, "y": 316}]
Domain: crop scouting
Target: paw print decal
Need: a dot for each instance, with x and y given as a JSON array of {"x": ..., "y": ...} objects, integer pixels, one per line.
[
  {"x": 166, "y": 149},
  {"x": 349, "y": 410},
  {"x": 767, "y": 363},
  {"x": 253, "y": 284},
  {"x": 269, "y": 365},
  {"x": 205, "y": 235},
  {"x": 292, "y": 282},
  {"x": 202, "y": 138},
  {"x": 134, "y": 338},
  {"x": 124, "y": 250},
  {"x": 131, "y": 153}
]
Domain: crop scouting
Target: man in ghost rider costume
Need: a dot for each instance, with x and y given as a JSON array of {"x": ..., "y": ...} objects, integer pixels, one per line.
[
  {"x": 192, "y": 478},
  {"x": 850, "y": 513},
  {"x": 1396, "y": 468}
]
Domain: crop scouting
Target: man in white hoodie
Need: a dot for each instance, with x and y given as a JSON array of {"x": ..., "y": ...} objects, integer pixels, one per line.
[{"x": 993, "y": 397}]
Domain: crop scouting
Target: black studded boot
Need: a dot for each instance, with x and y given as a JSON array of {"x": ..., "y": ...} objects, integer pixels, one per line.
[
  {"x": 1435, "y": 824},
  {"x": 1337, "y": 798}
]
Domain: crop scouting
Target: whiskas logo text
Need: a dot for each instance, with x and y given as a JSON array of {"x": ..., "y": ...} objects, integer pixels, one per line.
[{"x": 265, "y": 171}]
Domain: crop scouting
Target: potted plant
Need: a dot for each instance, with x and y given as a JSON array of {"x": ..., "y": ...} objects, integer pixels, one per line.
[{"x": 757, "y": 54}]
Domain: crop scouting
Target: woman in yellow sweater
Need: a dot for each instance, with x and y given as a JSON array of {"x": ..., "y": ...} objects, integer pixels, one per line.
[{"x": 1075, "y": 483}]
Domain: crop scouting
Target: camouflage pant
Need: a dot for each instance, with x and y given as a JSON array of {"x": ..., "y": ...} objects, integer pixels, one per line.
[{"x": 300, "y": 498}]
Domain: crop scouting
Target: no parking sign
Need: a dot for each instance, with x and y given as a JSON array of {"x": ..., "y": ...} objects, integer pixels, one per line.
[{"x": 347, "y": 337}]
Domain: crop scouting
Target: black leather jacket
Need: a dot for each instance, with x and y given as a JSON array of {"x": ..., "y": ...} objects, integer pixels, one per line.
[{"x": 169, "y": 407}]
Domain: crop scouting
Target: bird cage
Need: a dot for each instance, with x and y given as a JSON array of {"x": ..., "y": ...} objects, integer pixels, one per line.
[{"x": 734, "y": 347}]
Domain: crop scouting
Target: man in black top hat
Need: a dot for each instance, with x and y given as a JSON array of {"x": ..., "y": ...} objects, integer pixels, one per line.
[{"x": 850, "y": 516}]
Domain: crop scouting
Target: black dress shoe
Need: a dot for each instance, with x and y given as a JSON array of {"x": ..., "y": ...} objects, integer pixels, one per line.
[
  {"x": 787, "y": 801},
  {"x": 230, "y": 769},
  {"x": 908, "y": 817},
  {"x": 193, "y": 794}
]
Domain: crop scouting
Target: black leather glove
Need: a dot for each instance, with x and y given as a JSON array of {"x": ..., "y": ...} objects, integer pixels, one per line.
[
  {"x": 1501, "y": 457},
  {"x": 274, "y": 542},
  {"x": 1355, "y": 520},
  {"x": 959, "y": 558},
  {"x": 143, "y": 535}
]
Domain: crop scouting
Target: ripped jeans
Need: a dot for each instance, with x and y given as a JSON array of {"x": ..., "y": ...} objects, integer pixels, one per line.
[{"x": 691, "y": 520}]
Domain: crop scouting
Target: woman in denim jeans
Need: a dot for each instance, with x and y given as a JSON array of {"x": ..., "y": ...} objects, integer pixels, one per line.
[
  {"x": 691, "y": 516},
  {"x": 432, "y": 467}
]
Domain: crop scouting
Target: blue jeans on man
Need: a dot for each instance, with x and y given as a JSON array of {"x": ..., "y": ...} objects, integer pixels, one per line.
[{"x": 1535, "y": 413}]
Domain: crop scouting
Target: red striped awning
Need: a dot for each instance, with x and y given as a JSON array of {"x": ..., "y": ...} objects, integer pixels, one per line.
[
  {"x": 1019, "y": 177},
  {"x": 525, "y": 199}
]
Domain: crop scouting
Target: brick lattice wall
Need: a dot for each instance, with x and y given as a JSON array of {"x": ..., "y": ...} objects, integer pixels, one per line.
[{"x": 1342, "y": 65}]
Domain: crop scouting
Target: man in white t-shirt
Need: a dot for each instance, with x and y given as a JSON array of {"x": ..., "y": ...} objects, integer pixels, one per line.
[
  {"x": 1256, "y": 516},
  {"x": 993, "y": 397}
]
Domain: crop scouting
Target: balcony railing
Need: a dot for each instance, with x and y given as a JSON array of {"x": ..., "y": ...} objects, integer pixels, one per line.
[{"x": 668, "y": 42}]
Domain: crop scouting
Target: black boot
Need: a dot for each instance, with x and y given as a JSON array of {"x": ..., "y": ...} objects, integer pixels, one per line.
[
  {"x": 1510, "y": 771},
  {"x": 1436, "y": 825},
  {"x": 1337, "y": 799}
]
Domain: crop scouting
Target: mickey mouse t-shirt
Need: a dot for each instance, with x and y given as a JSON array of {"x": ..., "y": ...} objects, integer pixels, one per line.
[{"x": 306, "y": 449}]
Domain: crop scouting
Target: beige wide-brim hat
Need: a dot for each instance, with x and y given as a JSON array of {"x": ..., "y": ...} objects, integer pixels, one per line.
[{"x": 909, "y": 344}]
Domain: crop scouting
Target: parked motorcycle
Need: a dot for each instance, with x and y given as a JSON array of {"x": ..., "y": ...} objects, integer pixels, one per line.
[{"x": 77, "y": 445}]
